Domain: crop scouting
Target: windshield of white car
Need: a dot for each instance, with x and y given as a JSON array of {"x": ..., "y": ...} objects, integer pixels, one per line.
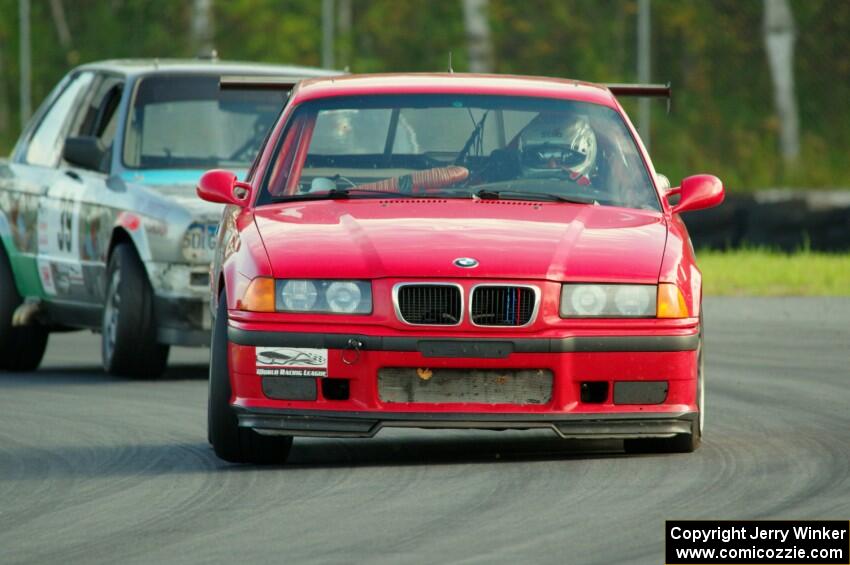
[
  {"x": 455, "y": 145},
  {"x": 188, "y": 122}
]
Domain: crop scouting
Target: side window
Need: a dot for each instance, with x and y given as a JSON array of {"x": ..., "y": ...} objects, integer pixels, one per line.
[
  {"x": 45, "y": 145},
  {"x": 108, "y": 122},
  {"x": 100, "y": 117}
]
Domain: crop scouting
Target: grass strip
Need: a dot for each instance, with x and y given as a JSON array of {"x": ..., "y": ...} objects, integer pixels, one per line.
[{"x": 766, "y": 272}]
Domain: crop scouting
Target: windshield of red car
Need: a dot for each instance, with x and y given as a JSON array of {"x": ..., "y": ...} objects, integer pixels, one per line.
[
  {"x": 187, "y": 122},
  {"x": 458, "y": 146}
]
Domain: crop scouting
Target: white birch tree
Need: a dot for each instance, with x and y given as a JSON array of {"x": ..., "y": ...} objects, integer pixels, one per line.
[
  {"x": 203, "y": 31},
  {"x": 779, "y": 36},
  {"x": 479, "y": 42}
]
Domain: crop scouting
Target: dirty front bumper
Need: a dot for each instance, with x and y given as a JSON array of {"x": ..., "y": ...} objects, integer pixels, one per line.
[
  {"x": 181, "y": 303},
  {"x": 612, "y": 386},
  {"x": 182, "y": 321}
]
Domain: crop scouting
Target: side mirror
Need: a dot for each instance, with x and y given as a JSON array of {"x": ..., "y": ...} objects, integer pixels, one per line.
[
  {"x": 223, "y": 187},
  {"x": 697, "y": 192},
  {"x": 86, "y": 152}
]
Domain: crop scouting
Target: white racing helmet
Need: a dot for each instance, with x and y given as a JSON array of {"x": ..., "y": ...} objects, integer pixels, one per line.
[{"x": 564, "y": 142}]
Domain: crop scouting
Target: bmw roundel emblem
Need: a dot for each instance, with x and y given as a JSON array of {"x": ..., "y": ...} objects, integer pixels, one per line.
[{"x": 466, "y": 262}]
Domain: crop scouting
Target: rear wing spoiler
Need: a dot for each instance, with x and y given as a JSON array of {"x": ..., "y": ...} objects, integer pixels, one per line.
[
  {"x": 643, "y": 90},
  {"x": 254, "y": 82}
]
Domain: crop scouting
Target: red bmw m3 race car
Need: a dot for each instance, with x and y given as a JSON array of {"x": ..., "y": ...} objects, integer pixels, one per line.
[{"x": 454, "y": 251}]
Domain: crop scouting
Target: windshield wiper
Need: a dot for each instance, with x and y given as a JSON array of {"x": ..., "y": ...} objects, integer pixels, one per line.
[{"x": 486, "y": 194}]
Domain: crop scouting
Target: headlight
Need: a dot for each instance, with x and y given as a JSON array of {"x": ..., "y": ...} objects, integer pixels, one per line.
[
  {"x": 298, "y": 296},
  {"x": 608, "y": 300},
  {"x": 324, "y": 296},
  {"x": 586, "y": 300},
  {"x": 343, "y": 297}
]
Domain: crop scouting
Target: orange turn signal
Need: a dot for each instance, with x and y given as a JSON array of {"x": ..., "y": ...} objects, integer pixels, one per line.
[
  {"x": 259, "y": 297},
  {"x": 671, "y": 302}
]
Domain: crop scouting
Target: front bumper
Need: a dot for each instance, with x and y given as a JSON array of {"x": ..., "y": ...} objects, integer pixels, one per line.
[
  {"x": 574, "y": 361},
  {"x": 496, "y": 348},
  {"x": 181, "y": 303},
  {"x": 182, "y": 321}
]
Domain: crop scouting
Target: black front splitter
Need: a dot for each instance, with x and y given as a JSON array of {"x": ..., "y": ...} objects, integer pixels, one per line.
[{"x": 367, "y": 424}]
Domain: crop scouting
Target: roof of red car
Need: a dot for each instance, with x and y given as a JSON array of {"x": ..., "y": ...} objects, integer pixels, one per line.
[{"x": 452, "y": 83}]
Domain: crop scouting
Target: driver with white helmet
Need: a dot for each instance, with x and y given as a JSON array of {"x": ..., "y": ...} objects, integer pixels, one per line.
[{"x": 558, "y": 145}]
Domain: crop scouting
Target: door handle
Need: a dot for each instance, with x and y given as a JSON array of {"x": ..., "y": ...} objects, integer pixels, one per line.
[{"x": 74, "y": 175}]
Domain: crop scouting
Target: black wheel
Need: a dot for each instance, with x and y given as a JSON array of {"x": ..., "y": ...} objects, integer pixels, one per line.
[
  {"x": 128, "y": 332},
  {"x": 230, "y": 442},
  {"x": 21, "y": 347},
  {"x": 680, "y": 443}
]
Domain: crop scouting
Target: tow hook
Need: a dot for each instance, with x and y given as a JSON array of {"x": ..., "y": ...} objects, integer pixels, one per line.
[
  {"x": 26, "y": 312},
  {"x": 355, "y": 346}
]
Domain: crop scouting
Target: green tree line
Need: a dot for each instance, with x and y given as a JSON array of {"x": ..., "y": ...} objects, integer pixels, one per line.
[{"x": 722, "y": 121}]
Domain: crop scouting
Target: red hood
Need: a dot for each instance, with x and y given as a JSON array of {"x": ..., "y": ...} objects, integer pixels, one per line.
[{"x": 413, "y": 238}]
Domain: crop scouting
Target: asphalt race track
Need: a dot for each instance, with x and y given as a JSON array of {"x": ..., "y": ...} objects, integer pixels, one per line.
[{"x": 101, "y": 470}]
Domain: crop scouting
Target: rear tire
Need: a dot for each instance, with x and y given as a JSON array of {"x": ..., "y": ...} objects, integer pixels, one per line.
[
  {"x": 128, "y": 330},
  {"x": 21, "y": 347},
  {"x": 680, "y": 443},
  {"x": 230, "y": 442}
]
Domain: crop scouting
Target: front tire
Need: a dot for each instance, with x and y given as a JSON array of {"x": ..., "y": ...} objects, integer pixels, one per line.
[
  {"x": 21, "y": 347},
  {"x": 128, "y": 331},
  {"x": 230, "y": 442}
]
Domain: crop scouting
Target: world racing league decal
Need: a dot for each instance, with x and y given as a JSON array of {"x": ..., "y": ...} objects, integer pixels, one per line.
[{"x": 292, "y": 362}]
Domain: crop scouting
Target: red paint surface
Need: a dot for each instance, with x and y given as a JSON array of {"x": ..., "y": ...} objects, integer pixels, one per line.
[{"x": 421, "y": 237}]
